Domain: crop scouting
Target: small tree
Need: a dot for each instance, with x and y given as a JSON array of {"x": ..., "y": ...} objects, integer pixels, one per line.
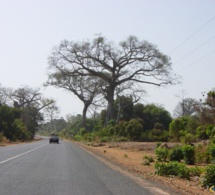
[
  {"x": 134, "y": 129},
  {"x": 176, "y": 126},
  {"x": 153, "y": 114}
]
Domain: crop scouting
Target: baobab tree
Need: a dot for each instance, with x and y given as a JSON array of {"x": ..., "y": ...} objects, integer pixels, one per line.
[
  {"x": 186, "y": 107},
  {"x": 131, "y": 60}
]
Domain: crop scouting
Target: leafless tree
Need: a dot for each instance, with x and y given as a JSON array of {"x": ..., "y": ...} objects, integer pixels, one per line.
[
  {"x": 4, "y": 95},
  {"x": 186, "y": 107},
  {"x": 131, "y": 61},
  {"x": 51, "y": 112}
]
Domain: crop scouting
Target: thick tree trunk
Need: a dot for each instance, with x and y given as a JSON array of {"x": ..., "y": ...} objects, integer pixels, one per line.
[
  {"x": 110, "y": 108},
  {"x": 84, "y": 116}
]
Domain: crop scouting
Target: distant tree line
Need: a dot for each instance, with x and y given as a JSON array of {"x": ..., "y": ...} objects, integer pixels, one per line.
[
  {"x": 151, "y": 122},
  {"x": 21, "y": 112}
]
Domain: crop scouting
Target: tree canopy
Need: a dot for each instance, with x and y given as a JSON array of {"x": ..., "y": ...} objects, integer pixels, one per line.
[{"x": 132, "y": 62}]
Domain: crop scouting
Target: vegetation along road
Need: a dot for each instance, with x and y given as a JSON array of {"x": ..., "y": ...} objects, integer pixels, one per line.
[{"x": 59, "y": 169}]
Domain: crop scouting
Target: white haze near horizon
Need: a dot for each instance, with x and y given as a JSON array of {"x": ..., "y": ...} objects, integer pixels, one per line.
[{"x": 182, "y": 29}]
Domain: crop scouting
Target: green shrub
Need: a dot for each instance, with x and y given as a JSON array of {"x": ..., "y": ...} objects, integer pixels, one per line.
[
  {"x": 212, "y": 153},
  {"x": 201, "y": 132},
  {"x": 213, "y": 139},
  {"x": 188, "y": 137},
  {"x": 133, "y": 129},
  {"x": 195, "y": 171},
  {"x": 82, "y": 131},
  {"x": 120, "y": 128},
  {"x": 188, "y": 154},
  {"x": 162, "y": 154},
  {"x": 88, "y": 137},
  {"x": 78, "y": 138},
  {"x": 209, "y": 131},
  {"x": 121, "y": 139},
  {"x": 176, "y": 154},
  {"x": 202, "y": 154},
  {"x": 209, "y": 177},
  {"x": 146, "y": 163},
  {"x": 158, "y": 144},
  {"x": 105, "y": 139},
  {"x": 147, "y": 160},
  {"x": 200, "y": 158},
  {"x": 172, "y": 169}
]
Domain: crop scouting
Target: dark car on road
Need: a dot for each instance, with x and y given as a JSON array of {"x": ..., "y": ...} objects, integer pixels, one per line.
[{"x": 54, "y": 138}]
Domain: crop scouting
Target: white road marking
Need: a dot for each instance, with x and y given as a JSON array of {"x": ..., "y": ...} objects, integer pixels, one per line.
[{"x": 22, "y": 154}]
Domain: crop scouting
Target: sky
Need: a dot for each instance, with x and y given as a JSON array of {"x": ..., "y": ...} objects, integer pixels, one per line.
[{"x": 182, "y": 29}]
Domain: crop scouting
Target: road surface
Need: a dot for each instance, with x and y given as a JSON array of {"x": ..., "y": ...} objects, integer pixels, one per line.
[{"x": 40, "y": 168}]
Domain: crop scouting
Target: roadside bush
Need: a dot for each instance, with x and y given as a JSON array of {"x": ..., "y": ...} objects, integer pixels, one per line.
[
  {"x": 78, "y": 138},
  {"x": 201, "y": 132},
  {"x": 105, "y": 131},
  {"x": 120, "y": 128},
  {"x": 213, "y": 133},
  {"x": 195, "y": 171},
  {"x": 188, "y": 154},
  {"x": 147, "y": 160},
  {"x": 188, "y": 137},
  {"x": 145, "y": 137},
  {"x": 172, "y": 169},
  {"x": 212, "y": 153},
  {"x": 88, "y": 137},
  {"x": 121, "y": 139},
  {"x": 202, "y": 154},
  {"x": 209, "y": 130},
  {"x": 209, "y": 177},
  {"x": 158, "y": 135},
  {"x": 176, "y": 154},
  {"x": 158, "y": 144},
  {"x": 105, "y": 139},
  {"x": 162, "y": 154},
  {"x": 213, "y": 139}
]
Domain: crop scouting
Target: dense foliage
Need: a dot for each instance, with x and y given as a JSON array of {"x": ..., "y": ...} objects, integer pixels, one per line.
[
  {"x": 139, "y": 122},
  {"x": 20, "y": 120},
  {"x": 12, "y": 125},
  {"x": 125, "y": 127}
]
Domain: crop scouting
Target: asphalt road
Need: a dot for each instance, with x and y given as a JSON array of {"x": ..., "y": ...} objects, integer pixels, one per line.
[{"x": 40, "y": 168}]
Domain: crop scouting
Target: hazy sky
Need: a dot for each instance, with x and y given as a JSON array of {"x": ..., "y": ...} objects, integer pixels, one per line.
[{"x": 182, "y": 29}]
